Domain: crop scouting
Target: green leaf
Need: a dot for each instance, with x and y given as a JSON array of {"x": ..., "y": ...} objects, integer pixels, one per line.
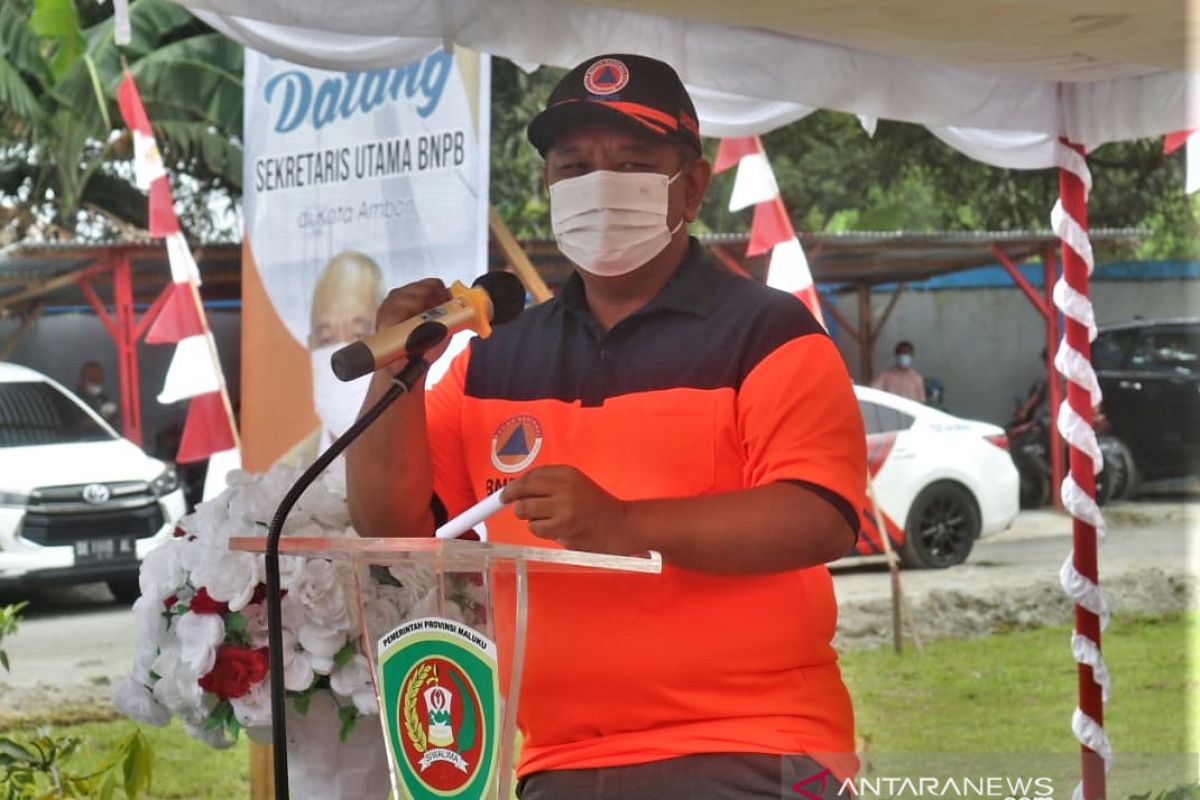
[
  {"x": 303, "y": 701},
  {"x": 219, "y": 715},
  {"x": 344, "y": 656},
  {"x": 138, "y": 766},
  {"x": 108, "y": 786},
  {"x": 348, "y": 714},
  {"x": 98, "y": 90},
  {"x": 16, "y": 751},
  {"x": 59, "y": 20},
  {"x": 198, "y": 79},
  {"x": 16, "y": 94},
  {"x": 235, "y": 623},
  {"x": 20, "y": 46}
]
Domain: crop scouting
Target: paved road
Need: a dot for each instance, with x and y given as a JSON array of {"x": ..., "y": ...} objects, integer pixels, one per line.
[
  {"x": 1142, "y": 535},
  {"x": 74, "y": 641}
]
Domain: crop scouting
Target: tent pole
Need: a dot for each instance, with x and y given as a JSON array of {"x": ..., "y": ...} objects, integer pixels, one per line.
[{"x": 1087, "y": 624}]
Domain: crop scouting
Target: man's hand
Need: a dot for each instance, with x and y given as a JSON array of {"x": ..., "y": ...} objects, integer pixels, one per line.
[
  {"x": 770, "y": 528},
  {"x": 388, "y": 488},
  {"x": 563, "y": 504},
  {"x": 407, "y": 302}
]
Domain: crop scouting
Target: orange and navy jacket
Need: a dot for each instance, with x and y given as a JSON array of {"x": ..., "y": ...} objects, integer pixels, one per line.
[{"x": 718, "y": 384}]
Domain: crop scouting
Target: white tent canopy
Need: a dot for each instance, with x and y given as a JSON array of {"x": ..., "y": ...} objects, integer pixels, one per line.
[{"x": 1091, "y": 70}]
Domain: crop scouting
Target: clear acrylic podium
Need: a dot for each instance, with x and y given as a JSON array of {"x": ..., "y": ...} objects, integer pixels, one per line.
[{"x": 444, "y": 624}]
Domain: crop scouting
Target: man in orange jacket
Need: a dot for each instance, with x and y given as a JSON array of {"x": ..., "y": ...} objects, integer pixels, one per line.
[{"x": 661, "y": 403}]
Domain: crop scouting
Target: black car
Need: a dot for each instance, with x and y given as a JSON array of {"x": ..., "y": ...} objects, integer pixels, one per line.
[{"x": 1149, "y": 371}]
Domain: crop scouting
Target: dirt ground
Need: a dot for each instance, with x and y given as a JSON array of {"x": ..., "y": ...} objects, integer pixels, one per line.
[{"x": 1149, "y": 564}]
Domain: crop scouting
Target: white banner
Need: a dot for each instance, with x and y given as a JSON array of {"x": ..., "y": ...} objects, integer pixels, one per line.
[{"x": 356, "y": 183}]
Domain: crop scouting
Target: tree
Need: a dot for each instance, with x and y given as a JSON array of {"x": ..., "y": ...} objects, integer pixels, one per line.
[
  {"x": 63, "y": 149},
  {"x": 516, "y": 168}
]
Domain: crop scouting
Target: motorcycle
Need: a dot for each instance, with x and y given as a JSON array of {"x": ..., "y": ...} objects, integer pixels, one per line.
[{"x": 1029, "y": 444}]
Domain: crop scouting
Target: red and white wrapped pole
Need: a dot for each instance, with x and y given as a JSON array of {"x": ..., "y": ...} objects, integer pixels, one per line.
[{"x": 1080, "y": 575}]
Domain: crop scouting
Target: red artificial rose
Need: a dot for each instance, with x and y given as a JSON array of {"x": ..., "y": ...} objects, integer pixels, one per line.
[
  {"x": 235, "y": 671},
  {"x": 201, "y": 603},
  {"x": 169, "y": 602}
]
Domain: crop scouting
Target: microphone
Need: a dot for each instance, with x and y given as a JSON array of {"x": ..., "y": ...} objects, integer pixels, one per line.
[{"x": 494, "y": 297}]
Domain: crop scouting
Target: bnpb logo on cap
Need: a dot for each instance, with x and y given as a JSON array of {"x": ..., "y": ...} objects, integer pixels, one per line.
[
  {"x": 516, "y": 443},
  {"x": 606, "y": 76}
]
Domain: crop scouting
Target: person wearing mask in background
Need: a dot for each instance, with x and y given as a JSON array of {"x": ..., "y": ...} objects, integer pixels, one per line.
[
  {"x": 901, "y": 378},
  {"x": 659, "y": 402},
  {"x": 347, "y": 292},
  {"x": 91, "y": 390}
]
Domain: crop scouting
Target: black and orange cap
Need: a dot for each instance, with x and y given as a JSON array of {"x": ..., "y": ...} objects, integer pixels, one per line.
[{"x": 641, "y": 93}]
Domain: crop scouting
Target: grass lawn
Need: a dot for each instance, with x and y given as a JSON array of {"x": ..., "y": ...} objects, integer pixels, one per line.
[
  {"x": 1008, "y": 693},
  {"x": 1015, "y": 692}
]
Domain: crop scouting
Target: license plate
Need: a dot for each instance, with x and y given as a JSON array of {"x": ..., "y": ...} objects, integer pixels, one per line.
[{"x": 112, "y": 548}]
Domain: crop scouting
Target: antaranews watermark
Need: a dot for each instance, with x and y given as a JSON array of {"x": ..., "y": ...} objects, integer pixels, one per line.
[{"x": 979, "y": 776}]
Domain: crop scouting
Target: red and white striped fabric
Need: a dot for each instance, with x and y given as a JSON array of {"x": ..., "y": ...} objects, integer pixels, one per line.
[
  {"x": 770, "y": 229},
  {"x": 195, "y": 371}
]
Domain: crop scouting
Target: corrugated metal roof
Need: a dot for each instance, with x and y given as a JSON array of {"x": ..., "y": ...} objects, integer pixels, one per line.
[
  {"x": 869, "y": 256},
  {"x": 25, "y": 266}
]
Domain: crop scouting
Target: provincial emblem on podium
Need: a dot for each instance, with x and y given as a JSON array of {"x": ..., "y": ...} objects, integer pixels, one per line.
[{"x": 439, "y": 694}]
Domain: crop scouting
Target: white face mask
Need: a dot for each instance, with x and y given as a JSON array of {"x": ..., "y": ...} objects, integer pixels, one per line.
[
  {"x": 336, "y": 402},
  {"x": 611, "y": 223},
  {"x": 904, "y": 360}
]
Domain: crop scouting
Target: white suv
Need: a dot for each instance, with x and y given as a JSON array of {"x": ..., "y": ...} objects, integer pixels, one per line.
[{"x": 77, "y": 502}]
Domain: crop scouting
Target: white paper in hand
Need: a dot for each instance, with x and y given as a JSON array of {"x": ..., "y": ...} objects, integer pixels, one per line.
[{"x": 471, "y": 517}]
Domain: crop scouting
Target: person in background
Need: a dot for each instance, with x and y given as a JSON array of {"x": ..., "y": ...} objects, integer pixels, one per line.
[
  {"x": 91, "y": 390},
  {"x": 901, "y": 378}
]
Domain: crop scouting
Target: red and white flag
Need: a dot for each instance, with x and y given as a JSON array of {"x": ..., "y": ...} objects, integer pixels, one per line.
[
  {"x": 770, "y": 229},
  {"x": 195, "y": 371}
]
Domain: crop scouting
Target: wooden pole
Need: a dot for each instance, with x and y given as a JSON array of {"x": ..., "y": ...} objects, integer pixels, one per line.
[
  {"x": 900, "y": 606},
  {"x": 843, "y": 322},
  {"x": 50, "y": 285},
  {"x": 887, "y": 312},
  {"x": 27, "y": 320},
  {"x": 516, "y": 257},
  {"x": 262, "y": 773},
  {"x": 866, "y": 341}
]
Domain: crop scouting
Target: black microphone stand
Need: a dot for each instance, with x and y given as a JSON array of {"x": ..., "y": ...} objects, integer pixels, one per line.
[{"x": 401, "y": 384}]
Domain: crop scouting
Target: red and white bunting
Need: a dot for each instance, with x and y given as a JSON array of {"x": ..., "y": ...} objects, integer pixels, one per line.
[
  {"x": 771, "y": 228},
  {"x": 149, "y": 172},
  {"x": 754, "y": 182},
  {"x": 195, "y": 371}
]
